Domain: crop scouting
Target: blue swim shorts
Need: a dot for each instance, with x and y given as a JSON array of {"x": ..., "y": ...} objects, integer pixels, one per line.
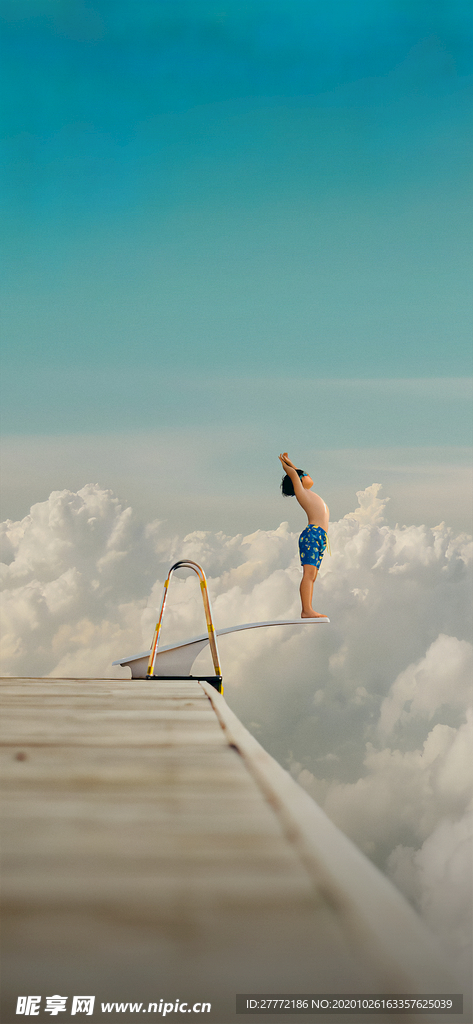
[{"x": 312, "y": 544}]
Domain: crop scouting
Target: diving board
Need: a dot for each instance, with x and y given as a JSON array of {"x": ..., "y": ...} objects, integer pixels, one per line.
[{"x": 178, "y": 658}]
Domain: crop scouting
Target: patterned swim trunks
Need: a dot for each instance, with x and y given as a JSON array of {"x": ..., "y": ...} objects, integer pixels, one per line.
[{"x": 312, "y": 544}]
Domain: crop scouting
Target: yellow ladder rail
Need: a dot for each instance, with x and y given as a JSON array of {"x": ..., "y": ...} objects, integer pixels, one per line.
[{"x": 187, "y": 563}]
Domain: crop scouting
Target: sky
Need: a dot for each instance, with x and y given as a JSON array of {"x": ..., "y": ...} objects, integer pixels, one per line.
[
  {"x": 245, "y": 223},
  {"x": 231, "y": 229}
]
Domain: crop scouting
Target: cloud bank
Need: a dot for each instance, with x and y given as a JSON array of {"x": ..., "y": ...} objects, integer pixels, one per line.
[{"x": 371, "y": 714}]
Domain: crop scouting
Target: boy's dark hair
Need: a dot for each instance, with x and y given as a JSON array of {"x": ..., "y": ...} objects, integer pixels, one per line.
[{"x": 287, "y": 485}]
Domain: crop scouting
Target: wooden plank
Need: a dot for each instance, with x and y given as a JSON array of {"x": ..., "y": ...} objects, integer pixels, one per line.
[{"x": 143, "y": 859}]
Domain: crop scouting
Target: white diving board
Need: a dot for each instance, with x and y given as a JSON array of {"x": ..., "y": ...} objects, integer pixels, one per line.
[{"x": 178, "y": 658}]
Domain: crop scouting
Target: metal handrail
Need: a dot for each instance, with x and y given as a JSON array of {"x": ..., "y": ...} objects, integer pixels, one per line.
[{"x": 208, "y": 616}]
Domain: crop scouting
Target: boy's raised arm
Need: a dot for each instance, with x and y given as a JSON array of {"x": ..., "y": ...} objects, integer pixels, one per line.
[
  {"x": 288, "y": 466},
  {"x": 291, "y": 471}
]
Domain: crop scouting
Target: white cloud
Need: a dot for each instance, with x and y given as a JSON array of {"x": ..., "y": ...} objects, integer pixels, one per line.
[
  {"x": 371, "y": 508},
  {"x": 442, "y": 677},
  {"x": 401, "y": 793},
  {"x": 72, "y": 563},
  {"x": 437, "y": 879},
  {"x": 370, "y": 713}
]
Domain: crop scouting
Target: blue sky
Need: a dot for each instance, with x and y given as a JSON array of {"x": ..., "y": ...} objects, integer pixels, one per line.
[{"x": 234, "y": 215}]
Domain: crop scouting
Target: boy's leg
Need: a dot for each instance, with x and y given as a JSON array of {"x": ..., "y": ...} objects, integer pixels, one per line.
[
  {"x": 307, "y": 586},
  {"x": 306, "y": 590}
]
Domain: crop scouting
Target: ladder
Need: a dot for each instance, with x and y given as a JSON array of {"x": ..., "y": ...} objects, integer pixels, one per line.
[{"x": 215, "y": 680}]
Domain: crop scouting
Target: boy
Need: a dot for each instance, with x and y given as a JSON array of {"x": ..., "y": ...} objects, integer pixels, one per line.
[{"x": 313, "y": 540}]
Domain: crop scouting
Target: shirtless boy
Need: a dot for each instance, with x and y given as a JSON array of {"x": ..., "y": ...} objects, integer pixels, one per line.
[{"x": 313, "y": 540}]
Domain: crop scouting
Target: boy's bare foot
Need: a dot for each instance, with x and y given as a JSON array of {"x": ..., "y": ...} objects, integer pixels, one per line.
[{"x": 312, "y": 615}]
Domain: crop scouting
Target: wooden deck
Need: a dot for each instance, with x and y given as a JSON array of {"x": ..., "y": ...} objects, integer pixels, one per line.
[{"x": 154, "y": 851}]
